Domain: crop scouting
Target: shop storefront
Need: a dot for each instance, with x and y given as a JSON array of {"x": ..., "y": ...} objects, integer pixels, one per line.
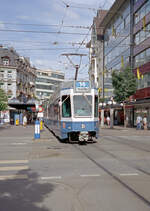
[{"x": 138, "y": 108}]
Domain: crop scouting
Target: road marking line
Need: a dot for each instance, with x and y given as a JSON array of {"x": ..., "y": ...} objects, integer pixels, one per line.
[
  {"x": 13, "y": 161},
  {"x": 21, "y": 176},
  {"x": 47, "y": 178},
  {"x": 129, "y": 174},
  {"x": 90, "y": 175},
  {"x": 18, "y": 143},
  {"x": 13, "y": 168}
]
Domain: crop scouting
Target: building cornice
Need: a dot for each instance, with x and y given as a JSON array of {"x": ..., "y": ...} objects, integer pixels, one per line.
[
  {"x": 8, "y": 67},
  {"x": 111, "y": 12}
]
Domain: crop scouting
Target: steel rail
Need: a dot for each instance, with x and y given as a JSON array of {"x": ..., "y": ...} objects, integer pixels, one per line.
[{"x": 146, "y": 201}]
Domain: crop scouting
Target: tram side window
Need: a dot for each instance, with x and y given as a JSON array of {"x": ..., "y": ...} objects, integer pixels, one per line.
[
  {"x": 96, "y": 107},
  {"x": 66, "y": 106}
]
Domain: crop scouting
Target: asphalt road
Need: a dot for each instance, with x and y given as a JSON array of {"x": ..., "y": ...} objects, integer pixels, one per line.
[{"x": 48, "y": 175}]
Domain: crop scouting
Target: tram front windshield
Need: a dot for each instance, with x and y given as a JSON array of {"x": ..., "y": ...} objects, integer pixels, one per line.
[{"x": 82, "y": 105}]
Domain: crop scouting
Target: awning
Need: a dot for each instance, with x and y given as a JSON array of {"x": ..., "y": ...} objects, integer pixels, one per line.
[{"x": 15, "y": 103}]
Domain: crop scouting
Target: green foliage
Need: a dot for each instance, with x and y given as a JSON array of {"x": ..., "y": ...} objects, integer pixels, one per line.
[
  {"x": 3, "y": 100},
  {"x": 124, "y": 84},
  {"x": 101, "y": 100}
]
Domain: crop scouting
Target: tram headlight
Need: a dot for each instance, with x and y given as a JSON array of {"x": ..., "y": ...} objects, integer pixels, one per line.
[{"x": 83, "y": 126}]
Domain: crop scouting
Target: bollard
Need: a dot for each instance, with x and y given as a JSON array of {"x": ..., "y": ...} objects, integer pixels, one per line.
[
  {"x": 41, "y": 125},
  {"x": 37, "y": 129},
  {"x": 17, "y": 122}
]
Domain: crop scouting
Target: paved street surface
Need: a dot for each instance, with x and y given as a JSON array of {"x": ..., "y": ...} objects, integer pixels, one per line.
[{"x": 112, "y": 174}]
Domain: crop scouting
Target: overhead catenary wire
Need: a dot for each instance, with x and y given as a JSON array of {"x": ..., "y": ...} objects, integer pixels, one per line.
[
  {"x": 41, "y": 32},
  {"x": 43, "y": 25},
  {"x": 48, "y": 49},
  {"x": 84, "y": 39},
  {"x": 34, "y": 43},
  {"x": 62, "y": 21},
  {"x": 79, "y": 6},
  {"x": 57, "y": 32}
]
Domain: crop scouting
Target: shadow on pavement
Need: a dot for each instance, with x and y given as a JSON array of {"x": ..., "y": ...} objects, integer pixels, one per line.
[{"x": 24, "y": 194}]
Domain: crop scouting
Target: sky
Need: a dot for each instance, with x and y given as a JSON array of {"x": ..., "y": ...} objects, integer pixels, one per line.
[{"x": 45, "y": 30}]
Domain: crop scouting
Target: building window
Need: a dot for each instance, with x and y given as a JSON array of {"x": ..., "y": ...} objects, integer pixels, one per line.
[
  {"x": 5, "y": 61},
  {"x": 145, "y": 82},
  {"x": 57, "y": 76},
  {"x": 142, "y": 35},
  {"x": 1, "y": 84},
  {"x": 142, "y": 58},
  {"x": 9, "y": 75},
  {"x": 9, "y": 92},
  {"x": 148, "y": 55},
  {"x": 144, "y": 10},
  {"x": 42, "y": 86}
]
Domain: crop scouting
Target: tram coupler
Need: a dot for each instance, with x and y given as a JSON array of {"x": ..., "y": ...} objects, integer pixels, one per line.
[{"x": 83, "y": 136}]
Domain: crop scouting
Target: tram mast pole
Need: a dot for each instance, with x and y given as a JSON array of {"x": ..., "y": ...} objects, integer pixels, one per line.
[
  {"x": 76, "y": 73},
  {"x": 77, "y": 66}
]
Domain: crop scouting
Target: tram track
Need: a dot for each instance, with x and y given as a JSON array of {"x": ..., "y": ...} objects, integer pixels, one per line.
[
  {"x": 136, "y": 167},
  {"x": 125, "y": 141},
  {"x": 110, "y": 173}
]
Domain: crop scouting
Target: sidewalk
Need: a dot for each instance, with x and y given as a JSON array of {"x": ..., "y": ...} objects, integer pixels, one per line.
[
  {"x": 122, "y": 131},
  {"x": 20, "y": 131}
]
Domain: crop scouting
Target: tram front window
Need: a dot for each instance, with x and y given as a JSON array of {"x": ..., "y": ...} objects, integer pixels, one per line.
[
  {"x": 66, "y": 106},
  {"x": 82, "y": 105}
]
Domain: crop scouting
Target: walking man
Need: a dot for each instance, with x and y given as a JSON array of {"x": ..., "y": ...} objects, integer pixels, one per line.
[{"x": 138, "y": 122}]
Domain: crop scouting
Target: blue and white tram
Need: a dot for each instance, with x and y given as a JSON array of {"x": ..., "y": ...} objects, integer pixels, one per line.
[{"x": 73, "y": 112}]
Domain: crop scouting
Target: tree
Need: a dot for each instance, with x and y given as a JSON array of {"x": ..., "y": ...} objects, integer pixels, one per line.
[
  {"x": 3, "y": 100},
  {"x": 124, "y": 84}
]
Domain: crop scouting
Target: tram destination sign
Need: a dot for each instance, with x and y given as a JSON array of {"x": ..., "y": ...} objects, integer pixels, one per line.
[{"x": 82, "y": 86}]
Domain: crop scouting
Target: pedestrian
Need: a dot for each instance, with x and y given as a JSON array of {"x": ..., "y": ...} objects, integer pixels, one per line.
[
  {"x": 24, "y": 120},
  {"x": 108, "y": 120},
  {"x": 138, "y": 122},
  {"x": 126, "y": 121},
  {"x": 145, "y": 122}
]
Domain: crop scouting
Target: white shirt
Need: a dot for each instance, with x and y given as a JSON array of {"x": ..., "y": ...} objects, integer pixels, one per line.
[
  {"x": 24, "y": 119},
  {"x": 144, "y": 120},
  {"x": 139, "y": 119}
]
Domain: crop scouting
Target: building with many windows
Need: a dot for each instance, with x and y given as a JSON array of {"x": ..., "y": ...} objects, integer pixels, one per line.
[
  {"x": 17, "y": 77},
  {"x": 141, "y": 58},
  {"x": 47, "y": 82},
  {"x": 117, "y": 50},
  {"x": 96, "y": 51},
  {"x": 141, "y": 50},
  {"x": 126, "y": 29}
]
